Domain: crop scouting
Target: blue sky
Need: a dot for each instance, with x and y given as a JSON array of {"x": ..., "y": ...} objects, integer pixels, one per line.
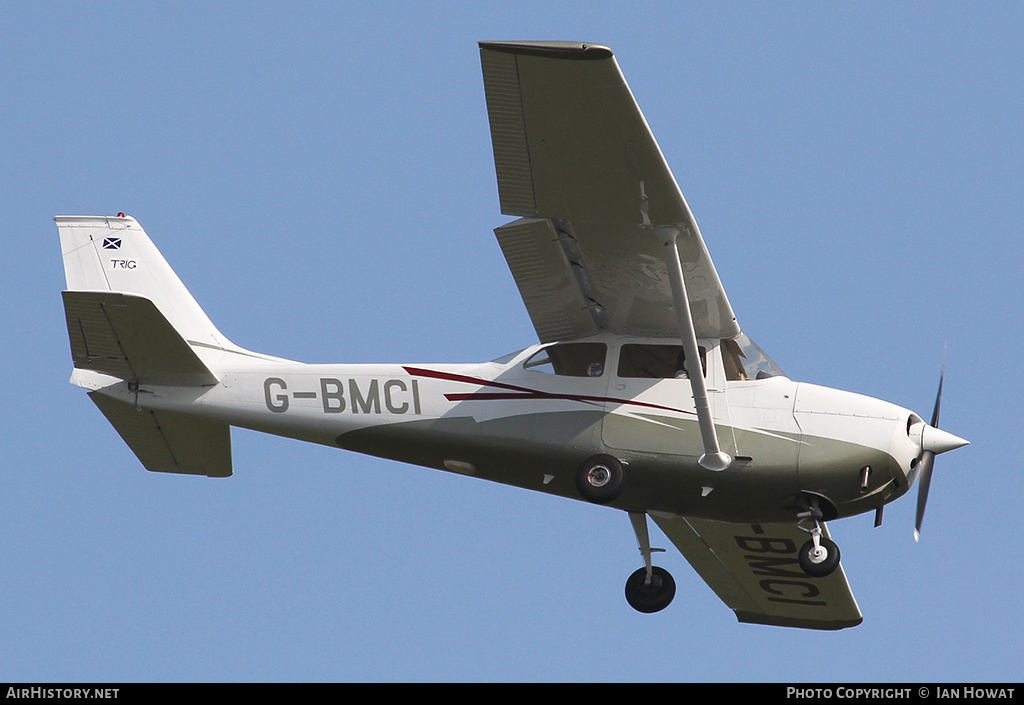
[{"x": 320, "y": 175}]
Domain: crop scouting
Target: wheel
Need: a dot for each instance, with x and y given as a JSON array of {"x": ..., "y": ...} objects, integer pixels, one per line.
[
  {"x": 599, "y": 478},
  {"x": 825, "y": 563},
  {"x": 650, "y": 598}
]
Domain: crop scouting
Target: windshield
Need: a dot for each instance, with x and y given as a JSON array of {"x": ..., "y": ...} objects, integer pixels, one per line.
[{"x": 744, "y": 360}]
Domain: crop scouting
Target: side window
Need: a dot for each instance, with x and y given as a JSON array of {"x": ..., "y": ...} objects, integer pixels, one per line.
[
  {"x": 655, "y": 361},
  {"x": 570, "y": 360}
]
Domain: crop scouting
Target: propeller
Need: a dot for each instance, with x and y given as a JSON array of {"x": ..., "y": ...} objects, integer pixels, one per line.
[{"x": 933, "y": 441}]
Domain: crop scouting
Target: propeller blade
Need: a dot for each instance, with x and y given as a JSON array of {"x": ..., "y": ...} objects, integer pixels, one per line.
[
  {"x": 938, "y": 395},
  {"x": 933, "y": 442},
  {"x": 927, "y": 462}
]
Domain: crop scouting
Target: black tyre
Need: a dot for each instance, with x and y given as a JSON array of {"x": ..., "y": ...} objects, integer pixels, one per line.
[
  {"x": 599, "y": 479},
  {"x": 650, "y": 598},
  {"x": 821, "y": 565}
]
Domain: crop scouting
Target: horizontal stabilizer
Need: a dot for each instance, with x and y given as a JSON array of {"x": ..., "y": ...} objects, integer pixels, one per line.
[
  {"x": 126, "y": 336},
  {"x": 166, "y": 441}
]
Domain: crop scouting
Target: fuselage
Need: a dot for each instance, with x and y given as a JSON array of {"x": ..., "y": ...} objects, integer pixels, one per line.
[{"x": 530, "y": 419}]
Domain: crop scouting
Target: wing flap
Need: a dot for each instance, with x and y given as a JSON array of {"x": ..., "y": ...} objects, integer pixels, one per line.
[
  {"x": 544, "y": 274},
  {"x": 167, "y": 441},
  {"x": 126, "y": 336},
  {"x": 754, "y": 569}
]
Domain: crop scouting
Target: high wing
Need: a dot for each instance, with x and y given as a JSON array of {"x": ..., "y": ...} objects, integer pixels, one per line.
[
  {"x": 575, "y": 158},
  {"x": 755, "y": 570}
]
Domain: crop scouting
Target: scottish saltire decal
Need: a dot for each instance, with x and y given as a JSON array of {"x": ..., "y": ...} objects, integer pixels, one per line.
[{"x": 111, "y": 243}]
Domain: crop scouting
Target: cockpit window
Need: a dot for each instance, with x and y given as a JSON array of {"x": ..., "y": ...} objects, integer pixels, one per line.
[
  {"x": 570, "y": 359},
  {"x": 655, "y": 361},
  {"x": 744, "y": 360}
]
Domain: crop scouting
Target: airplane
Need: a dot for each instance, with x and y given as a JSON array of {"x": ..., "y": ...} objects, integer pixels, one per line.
[{"x": 643, "y": 393}]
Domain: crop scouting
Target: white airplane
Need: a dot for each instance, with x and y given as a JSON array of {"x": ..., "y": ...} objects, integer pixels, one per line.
[{"x": 737, "y": 464}]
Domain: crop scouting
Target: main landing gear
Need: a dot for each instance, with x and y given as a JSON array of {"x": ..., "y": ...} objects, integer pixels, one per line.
[
  {"x": 650, "y": 594},
  {"x": 819, "y": 557},
  {"x": 650, "y": 589},
  {"x": 599, "y": 479}
]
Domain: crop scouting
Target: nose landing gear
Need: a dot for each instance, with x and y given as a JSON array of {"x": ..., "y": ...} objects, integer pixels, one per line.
[{"x": 819, "y": 557}]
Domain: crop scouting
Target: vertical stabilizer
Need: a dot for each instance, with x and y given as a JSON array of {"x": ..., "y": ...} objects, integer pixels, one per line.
[
  {"x": 133, "y": 325},
  {"x": 114, "y": 254}
]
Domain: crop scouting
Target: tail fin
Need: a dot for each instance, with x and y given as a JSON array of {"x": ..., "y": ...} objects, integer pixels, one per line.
[
  {"x": 130, "y": 319},
  {"x": 115, "y": 254}
]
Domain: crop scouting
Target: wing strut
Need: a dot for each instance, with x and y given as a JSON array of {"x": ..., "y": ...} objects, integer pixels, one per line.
[{"x": 713, "y": 459}]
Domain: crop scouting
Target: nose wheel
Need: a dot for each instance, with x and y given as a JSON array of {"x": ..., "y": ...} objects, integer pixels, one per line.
[{"x": 819, "y": 557}]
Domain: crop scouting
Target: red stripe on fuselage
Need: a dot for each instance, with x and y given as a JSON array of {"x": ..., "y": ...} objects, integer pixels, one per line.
[{"x": 522, "y": 393}]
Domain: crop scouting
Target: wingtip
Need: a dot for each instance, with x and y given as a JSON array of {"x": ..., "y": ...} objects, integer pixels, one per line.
[{"x": 587, "y": 50}]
